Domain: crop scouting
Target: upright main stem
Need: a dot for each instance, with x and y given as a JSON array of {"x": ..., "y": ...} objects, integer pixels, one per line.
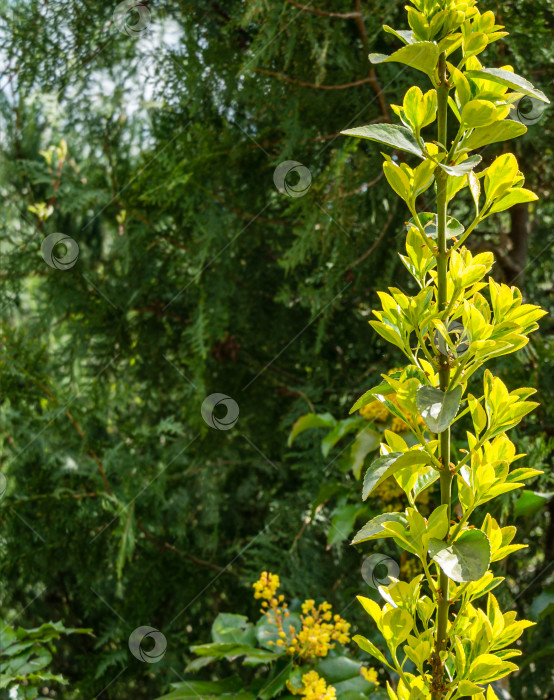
[{"x": 438, "y": 686}]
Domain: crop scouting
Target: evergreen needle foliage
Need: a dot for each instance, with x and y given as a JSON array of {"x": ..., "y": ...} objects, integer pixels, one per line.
[{"x": 448, "y": 331}]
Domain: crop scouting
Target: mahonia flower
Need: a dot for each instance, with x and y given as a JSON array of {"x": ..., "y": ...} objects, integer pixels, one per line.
[
  {"x": 320, "y": 628},
  {"x": 313, "y": 687},
  {"x": 375, "y": 411},
  {"x": 370, "y": 674},
  {"x": 266, "y": 586}
]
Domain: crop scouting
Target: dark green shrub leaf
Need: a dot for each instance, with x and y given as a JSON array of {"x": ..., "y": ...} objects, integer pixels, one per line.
[
  {"x": 373, "y": 529},
  {"x": 437, "y": 408},
  {"x": 466, "y": 560},
  {"x": 385, "y": 466},
  {"x": 390, "y": 134}
]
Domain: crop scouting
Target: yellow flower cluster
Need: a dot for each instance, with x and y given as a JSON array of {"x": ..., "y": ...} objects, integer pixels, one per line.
[
  {"x": 375, "y": 411},
  {"x": 266, "y": 586},
  {"x": 313, "y": 687},
  {"x": 320, "y": 628},
  {"x": 370, "y": 674}
]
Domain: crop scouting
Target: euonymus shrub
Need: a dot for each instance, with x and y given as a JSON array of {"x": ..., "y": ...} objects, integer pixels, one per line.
[{"x": 446, "y": 621}]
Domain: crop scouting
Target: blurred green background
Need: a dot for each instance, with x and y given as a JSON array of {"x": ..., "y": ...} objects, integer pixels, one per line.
[{"x": 196, "y": 276}]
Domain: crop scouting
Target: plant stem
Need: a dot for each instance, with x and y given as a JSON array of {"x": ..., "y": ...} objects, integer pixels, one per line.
[{"x": 438, "y": 685}]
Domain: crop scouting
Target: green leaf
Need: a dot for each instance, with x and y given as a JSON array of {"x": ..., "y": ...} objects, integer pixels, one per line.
[
  {"x": 479, "y": 113},
  {"x": 495, "y": 133},
  {"x": 462, "y": 168},
  {"x": 231, "y": 687},
  {"x": 355, "y": 688},
  {"x": 424, "y": 481},
  {"x": 342, "y": 524},
  {"x": 396, "y": 625},
  {"x": 342, "y": 428},
  {"x": 420, "y": 109},
  {"x": 366, "y": 441},
  {"x": 373, "y": 529},
  {"x": 370, "y": 648},
  {"x": 337, "y": 668},
  {"x": 260, "y": 656},
  {"x": 385, "y": 466},
  {"x": 487, "y": 668},
  {"x": 197, "y": 664},
  {"x": 311, "y": 420},
  {"x": 530, "y": 503},
  {"x": 429, "y": 222},
  {"x": 398, "y": 180},
  {"x": 475, "y": 189},
  {"x": 223, "y": 650},
  {"x": 518, "y": 195},
  {"x": 468, "y": 688},
  {"x": 406, "y": 36},
  {"x": 437, "y": 408},
  {"x": 390, "y": 134},
  {"x": 511, "y": 80},
  {"x": 475, "y": 44},
  {"x": 274, "y": 686},
  {"x": 228, "y": 627},
  {"x": 423, "y": 56},
  {"x": 369, "y": 396},
  {"x": 466, "y": 560},
  {"x": 543, "y": 605}
]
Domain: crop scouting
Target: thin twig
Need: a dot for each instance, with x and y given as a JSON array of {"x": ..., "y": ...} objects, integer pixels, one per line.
[
  {"x": 324, "y": 13},
  {"x": 301, "y": 83},
  {"x": 378, "y": 239}
]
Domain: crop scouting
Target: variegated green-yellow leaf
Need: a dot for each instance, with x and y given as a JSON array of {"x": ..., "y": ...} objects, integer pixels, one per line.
[
  {"x": 478, "y": 113},
  {"x": 396, "y": 625},
  {"x": 494, "y": 133},
  {"x": 511, "y": 80},
  {"x": 423, "y": 56}
]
